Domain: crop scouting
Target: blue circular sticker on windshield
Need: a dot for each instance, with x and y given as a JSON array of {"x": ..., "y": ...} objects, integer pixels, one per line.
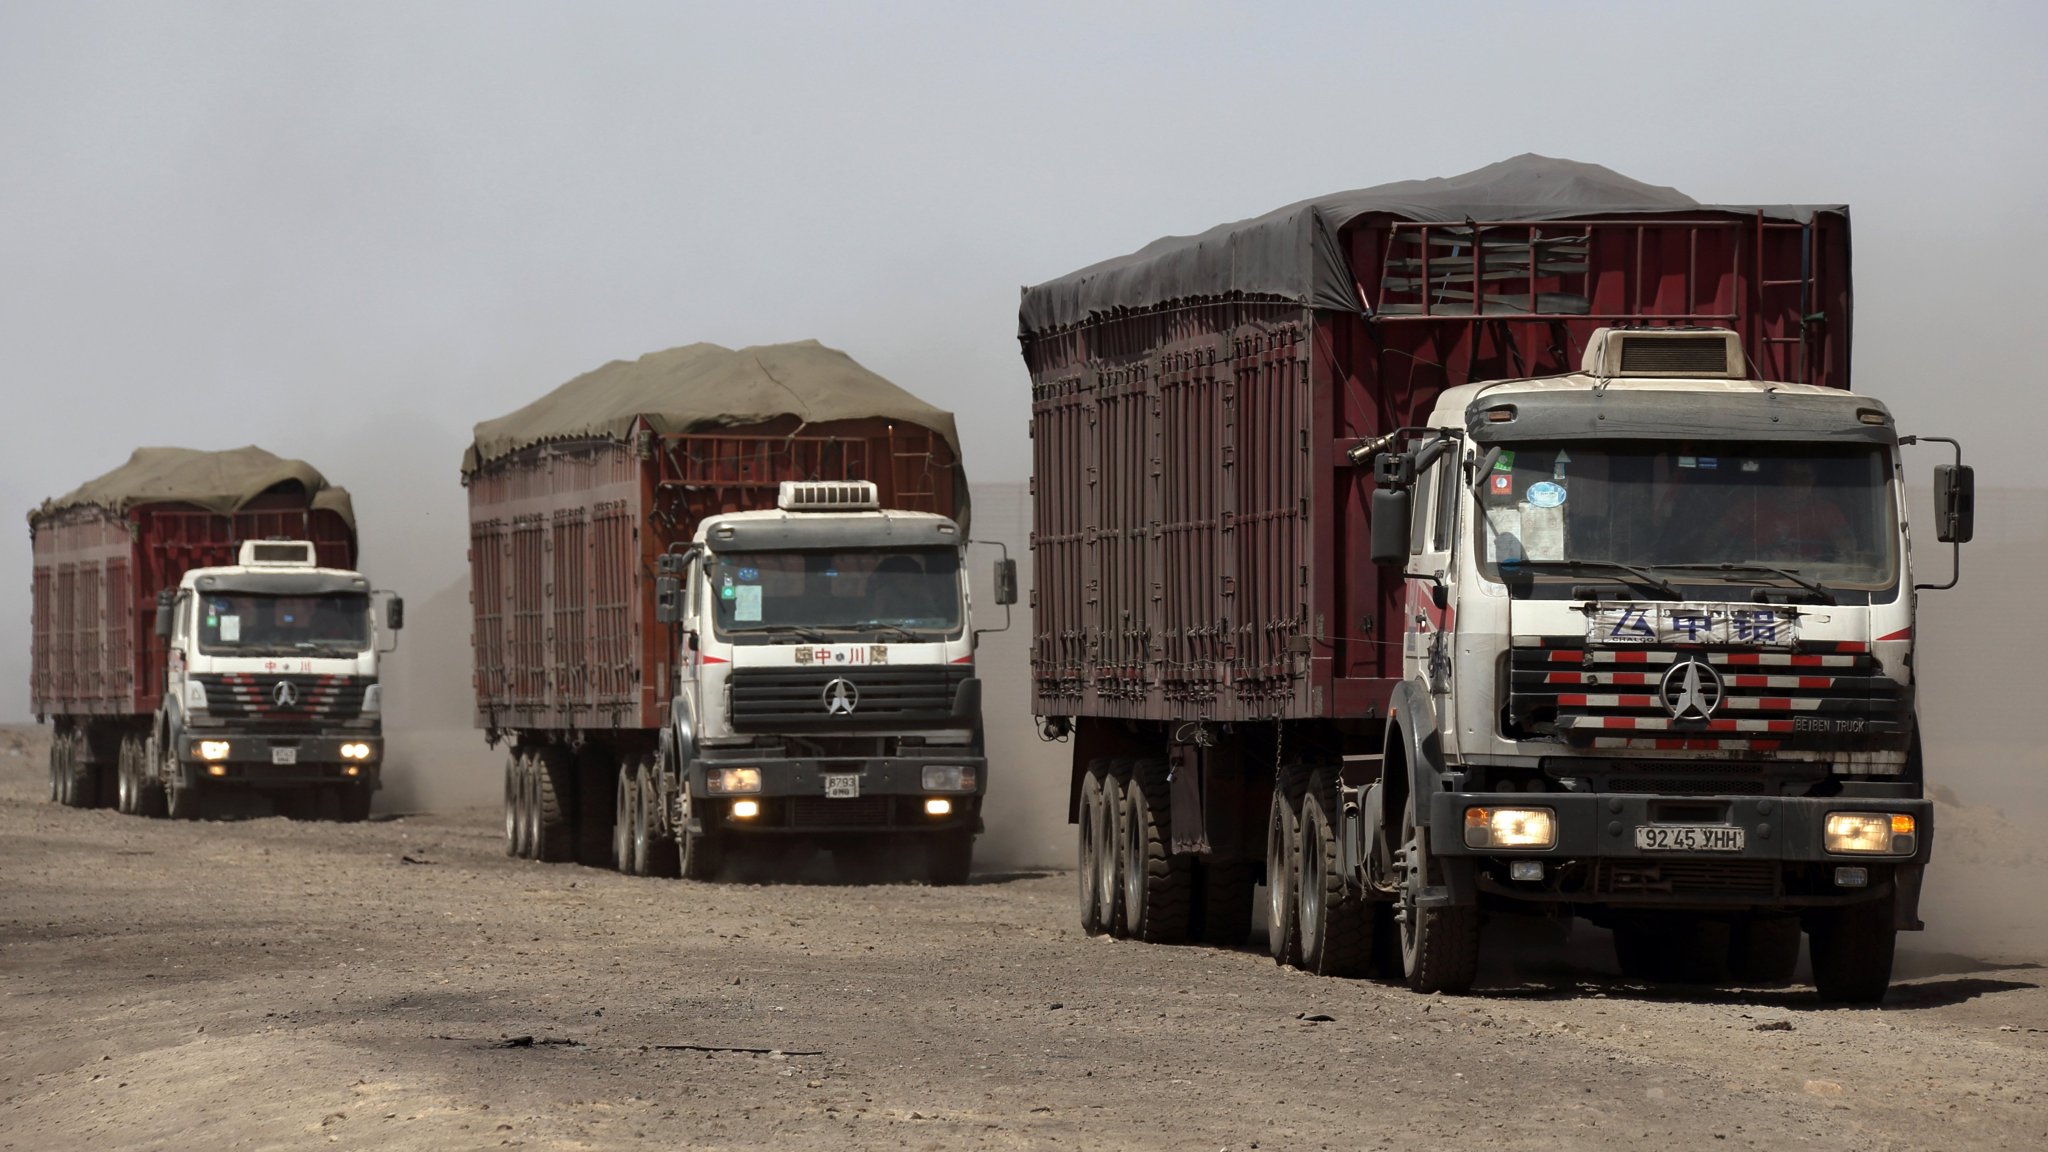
[{"x": 1545, "y": 494}]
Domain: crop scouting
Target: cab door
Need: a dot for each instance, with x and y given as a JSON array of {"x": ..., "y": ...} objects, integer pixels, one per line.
[{"x": 1430, "y": 611}]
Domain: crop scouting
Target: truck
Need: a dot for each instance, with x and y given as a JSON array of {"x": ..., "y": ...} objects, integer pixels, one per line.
[
  {"x": 200, "y": 634},
  {"x": 720, "y": 614},
  {"x": 1505, "y": 545}
]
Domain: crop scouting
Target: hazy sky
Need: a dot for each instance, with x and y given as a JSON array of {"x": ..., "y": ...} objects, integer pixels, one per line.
[{"x": 347, "y": 232}]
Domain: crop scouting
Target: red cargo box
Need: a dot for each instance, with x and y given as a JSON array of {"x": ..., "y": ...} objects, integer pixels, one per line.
[
  {"x": 103, "y": 553},
  {"x": 1201, "y": 543},
  {"x": 572, "y": 498}
]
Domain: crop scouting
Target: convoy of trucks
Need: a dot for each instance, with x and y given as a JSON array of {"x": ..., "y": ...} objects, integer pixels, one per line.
[
  {"x": 199, "y": 631},
  {"x": 1510, "y": 544},
  {"x": 1501, "y": 544},
  {"x": 721, "y": 609}
]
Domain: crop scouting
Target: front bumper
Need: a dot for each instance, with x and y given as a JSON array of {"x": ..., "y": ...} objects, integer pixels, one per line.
[
  {"x": 253, "y": 758},
  {"x": 793, "y": 800},
  {"x": 1784, "y": 862}
]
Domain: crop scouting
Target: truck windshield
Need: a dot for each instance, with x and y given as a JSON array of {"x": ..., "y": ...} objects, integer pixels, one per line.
[
  {"x": 904, "y": 593},
  {"x": 256, "y": 624},
  {"x": 1765, "y": 514}
]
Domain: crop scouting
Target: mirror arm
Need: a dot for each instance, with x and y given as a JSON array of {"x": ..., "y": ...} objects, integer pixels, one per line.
[{"x": 1955, "y": 546}]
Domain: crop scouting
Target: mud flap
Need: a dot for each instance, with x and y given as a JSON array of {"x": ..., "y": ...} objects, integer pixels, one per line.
[{"x": 1906, "y": 897}]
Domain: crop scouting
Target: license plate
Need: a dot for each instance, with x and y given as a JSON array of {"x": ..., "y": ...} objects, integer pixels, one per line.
[
  {"x": 284, "y": 755},
  {"x": 845, "y": 787},
  {"x": 1689, "y": 838}
]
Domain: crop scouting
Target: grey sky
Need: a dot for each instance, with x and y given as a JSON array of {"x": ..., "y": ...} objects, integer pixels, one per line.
[{"x": 347, "y": 232}]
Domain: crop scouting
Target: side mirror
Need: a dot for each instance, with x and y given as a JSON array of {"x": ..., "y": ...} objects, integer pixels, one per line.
[
  {"x": 668, "y": 600},
  {"x": 1955, "y": 503},
  {"x": 1393, "y": 518},
  {"x": 394, "y": 613},
  {"x": 1006, "y": 582},
  {"x": 164, "y": 602}
]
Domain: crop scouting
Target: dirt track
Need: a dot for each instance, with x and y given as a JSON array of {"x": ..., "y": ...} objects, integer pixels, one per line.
[{"x": 269, "y": 984}]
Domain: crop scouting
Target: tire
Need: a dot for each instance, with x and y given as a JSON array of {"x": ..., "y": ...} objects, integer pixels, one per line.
[
  {"x": 183, "y": 800},
  {"x": 1851, "y": 949},
  {"x": 1332, "y": 916},
  {"x": 79, "y": 778},
  {"x": 1109, "y": 876},
  {"x": 1283, "y": 865},
  {"x": 625, "y": 796},
  {"x": 352, "y": 803},
  {"x": 1089, "y": 863},
  {"x": 1639, "y": 952},
  {"x": 1159, "y": 886},
  {"x": 658, "y": 846},
  {"x": 1223, "y": 901},
  {"x": 126, "y": 777},
  {"x": 1439, "y": 946},
  {"x": 523, "y": 804},
  {"x": 701, "y": 854},
  {"x": 57, "y": 768},
  {"x": 636, "y": 848},
  {"x": 949, "y": 858},
  {"x": 1764, "y": 949},
  {"x": 553, "y": 833},
  {"x": 150, "y": 799},
  {"x": 512, "y": 804}
]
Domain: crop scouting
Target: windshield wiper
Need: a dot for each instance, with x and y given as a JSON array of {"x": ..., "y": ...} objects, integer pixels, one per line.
[
  {"x": 803, "y": 630},
  {"x": 1731, "y": 570},
  {"x": 879, "y": 626},
  {"x": 1619, "y": 573}
]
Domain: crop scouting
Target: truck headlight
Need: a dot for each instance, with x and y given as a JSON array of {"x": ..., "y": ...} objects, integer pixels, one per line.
[
  {"x": 355, "y": 751},
  {"x": 948, "y": 778},
  {"x": 733, "y": 780},
  {"x": 373, "y": 698},
  {"x": 938, "y": 807},
  {"x": 745, "y": 809},
  {"x": 1872, "y": 833},
  {"x": 1510, "y": 827},
  {"x": 213, "y": 749},
  {"x": 195, "y": 696}
]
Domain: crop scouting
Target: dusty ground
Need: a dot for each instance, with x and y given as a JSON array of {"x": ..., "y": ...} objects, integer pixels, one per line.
[{"x": 264, "y": 984}]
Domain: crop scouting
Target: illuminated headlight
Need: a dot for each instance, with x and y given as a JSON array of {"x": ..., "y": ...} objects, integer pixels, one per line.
[
  {"x": 195, "y": 696},
  {"x": 948, "y": 778},
  {"x": 373, "y": 698},
  {"x": 1510, "y": 827},
  {"x": 733, "y": 780},
  {"x": 1871, "y": 833},
  {"x": 745, "y": 809},
  {"x": 938, "y": 807},
  {"x": 213, "y": 749},
  {"x": 355, "y": 751}
]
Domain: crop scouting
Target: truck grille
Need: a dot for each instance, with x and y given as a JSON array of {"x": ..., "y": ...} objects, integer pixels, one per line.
[
  {"x": 798, "y": 699},
  {"x": 818, "y": 812},
  {"x": 1821, "y": 696},
  {"x": 258, "y": 696}
]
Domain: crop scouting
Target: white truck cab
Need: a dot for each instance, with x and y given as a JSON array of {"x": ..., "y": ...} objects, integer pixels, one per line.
[
  {"x": 271, "y": 684},
  {"x": 825, "y": 686}
]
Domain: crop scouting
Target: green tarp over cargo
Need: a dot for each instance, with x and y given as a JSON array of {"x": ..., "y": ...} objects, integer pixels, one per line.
[
  {"x": 700, "y": 387},
  {"x": 222, "y": 482}
]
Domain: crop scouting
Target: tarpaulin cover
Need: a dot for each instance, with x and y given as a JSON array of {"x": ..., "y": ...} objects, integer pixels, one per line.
[
  {"x": 1295, "y": 253},
  {"x": 702, "y": 386},
  {"x": 221, "y": 482}
]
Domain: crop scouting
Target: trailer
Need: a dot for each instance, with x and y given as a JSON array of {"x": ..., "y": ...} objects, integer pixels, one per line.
[
  {"x": 116, "y": 556},
  {"x": 1257, "y": 688},
  {"x": 660, "y": 725}
]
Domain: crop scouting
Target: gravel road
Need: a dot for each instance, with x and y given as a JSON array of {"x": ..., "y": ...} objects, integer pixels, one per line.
[{"x": 403, "y": 984}]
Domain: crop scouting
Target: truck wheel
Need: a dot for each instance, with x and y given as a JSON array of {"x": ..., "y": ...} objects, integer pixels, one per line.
[
  {"x": 552, "y": 831},
  {"x": 625, "y": 795},
  {"x": 183, "y": 800},
  {"x": 700, "y": 855},
  {"x": 1851, "y": 949},
  {"x": 512, "y": 804},
  {"x": 125, "y": 777},
  {"x": 1439, "y": 946},
  {"x": 1639, "y": 952},
  {"x": 658, "y": 847},
  {"x": 352, "y": 803},
  {"x": 1223, "y": 901},
  {"x": 1109, "y": 876},
  {"x": 149, "y": 786},
  {"x": 1283, "y": 865},
  {"x": 57, "y": 768},
  {"x": 528, "y": 841},
  {"x": 1333, "y": 917},
  {"x": 78, "y": 775},
  {"x": 1158, "y": 885},
  {"x": 1088, "y": 867},
  {"x": 1764, "y": 949},
  {"x": 949, "y": 858}
]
